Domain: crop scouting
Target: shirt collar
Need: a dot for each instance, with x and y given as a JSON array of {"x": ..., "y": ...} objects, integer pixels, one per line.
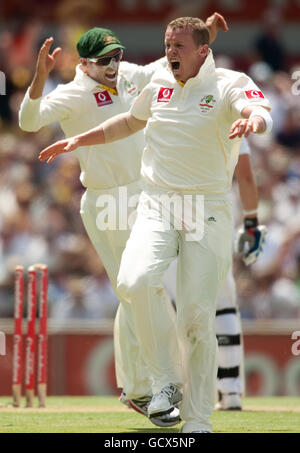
[
  {"x": 83, "y": 79},
  {"x": 207, "y": 67},
  {"x": 111, "y": 90}
]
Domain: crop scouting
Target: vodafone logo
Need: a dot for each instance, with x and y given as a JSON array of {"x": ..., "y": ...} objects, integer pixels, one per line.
[
  {"x": 254, "y": 94},
  {"x": 103, "y": 98},
  {"x": 164, "y": 94}
]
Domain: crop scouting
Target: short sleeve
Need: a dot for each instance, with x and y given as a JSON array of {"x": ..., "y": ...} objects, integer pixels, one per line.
[
  {"x": 243, "y": 92},
  {"x": 141, "y": 109}
]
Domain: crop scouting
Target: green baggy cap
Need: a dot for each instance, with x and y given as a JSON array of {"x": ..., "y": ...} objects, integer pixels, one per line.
[{"x": 97, "y": 42}]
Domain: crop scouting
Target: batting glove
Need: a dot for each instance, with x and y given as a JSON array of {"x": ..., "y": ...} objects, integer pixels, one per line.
[{"x": 250, "y": 240}]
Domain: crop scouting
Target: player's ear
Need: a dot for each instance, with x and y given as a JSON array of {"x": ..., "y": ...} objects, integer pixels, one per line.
[
  {"x": 83, "y": 65},
  {"x": 203, "y": 50}
]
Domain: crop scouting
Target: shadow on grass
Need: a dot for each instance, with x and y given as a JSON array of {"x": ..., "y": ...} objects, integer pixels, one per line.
[{"x": 154, "y": 431}]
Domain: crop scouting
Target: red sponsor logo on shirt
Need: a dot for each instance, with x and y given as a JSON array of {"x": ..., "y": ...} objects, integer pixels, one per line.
[
  {"x": 132, "y": 90},
  {"x": 254, "y": 94},
  {"x": 103, "y": 98},
  {"x": 164, "y": 94}
]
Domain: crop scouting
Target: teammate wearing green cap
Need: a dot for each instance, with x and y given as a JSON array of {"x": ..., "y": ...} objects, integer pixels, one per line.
[{"x": 103, "y": 87}]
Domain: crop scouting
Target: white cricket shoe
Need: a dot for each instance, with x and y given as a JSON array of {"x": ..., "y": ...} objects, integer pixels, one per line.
[
  {"x": 123, "y": 399},
  {"x": 140, "y": 405},
  {"x": 164, "y": 402},
  {"x": 168, "y": 420},
  {"x": 229, "y": 402}
]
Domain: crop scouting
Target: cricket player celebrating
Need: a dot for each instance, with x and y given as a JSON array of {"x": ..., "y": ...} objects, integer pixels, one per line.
[
  {"x": 195, "y": 116},
  {"x": 103, "y": 86},
  {"x": 249, "y": 243}
]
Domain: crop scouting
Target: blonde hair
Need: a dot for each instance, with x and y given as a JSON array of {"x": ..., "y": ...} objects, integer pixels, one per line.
[{"x": 200, "y": 32}]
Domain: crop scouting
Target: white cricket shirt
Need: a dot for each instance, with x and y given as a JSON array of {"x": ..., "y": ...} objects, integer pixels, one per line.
[
  {"x": 83, "y": 104},
  {"x": 187, "y": 144}
]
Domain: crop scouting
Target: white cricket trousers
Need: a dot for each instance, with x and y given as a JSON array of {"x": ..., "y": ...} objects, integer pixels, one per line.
[
  {"x": 98, "y": 206},
  {"x": 228, "y": 331},
  {"x": 202, "y": 267}
]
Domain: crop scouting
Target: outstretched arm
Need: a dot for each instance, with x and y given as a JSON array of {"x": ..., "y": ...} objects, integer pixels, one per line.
[
  {"x": 255, "y": 119},
  {"x": 111, "y": 130}
]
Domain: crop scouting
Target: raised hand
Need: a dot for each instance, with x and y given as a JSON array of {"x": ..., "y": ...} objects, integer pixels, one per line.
[
  {"x": 215, "y": 23},
  {"x": 45, "y": 64},
  {"x": 46, "y": 60},
  {"x": 62, "y": 146}
]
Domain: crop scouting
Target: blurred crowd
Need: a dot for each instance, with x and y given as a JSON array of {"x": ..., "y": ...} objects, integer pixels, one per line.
[{"x": 39, "y": 204}]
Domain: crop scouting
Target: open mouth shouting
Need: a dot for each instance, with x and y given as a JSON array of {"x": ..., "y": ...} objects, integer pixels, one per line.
[
  {"x": 175, "y": 66},
  {"x": 111, "y": 76}
]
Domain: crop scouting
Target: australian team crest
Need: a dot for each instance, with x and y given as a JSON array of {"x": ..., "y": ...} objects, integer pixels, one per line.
[
  {"x": 207, "y": 103},
  {"x": 131, "y": 89}
]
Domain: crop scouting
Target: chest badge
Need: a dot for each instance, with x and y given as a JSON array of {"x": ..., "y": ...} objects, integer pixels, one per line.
[
  {"x": 207, "y": 103},
  {"x": 103, "y": 98},
  {"x": 131, "y": 89},
  {"x": 164, "y": 94}
]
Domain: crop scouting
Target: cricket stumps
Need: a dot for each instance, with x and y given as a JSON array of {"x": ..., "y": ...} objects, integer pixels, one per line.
[{"x": 37, "y": 294}]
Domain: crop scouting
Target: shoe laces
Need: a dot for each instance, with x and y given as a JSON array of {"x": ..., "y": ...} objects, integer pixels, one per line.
[
  {"x": 142, "y": 402},
  {"x": 167, "y": 391}
]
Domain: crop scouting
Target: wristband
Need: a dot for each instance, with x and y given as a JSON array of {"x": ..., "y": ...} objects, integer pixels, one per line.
[
  {"x": 263, "y": 113},
  {"x": 250, "y": 223},
  {"x": 250, "y": 212}
]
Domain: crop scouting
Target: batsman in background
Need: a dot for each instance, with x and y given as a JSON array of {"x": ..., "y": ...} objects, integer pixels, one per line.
[
  {"x": 249, "y": 244},
  {"x": 103, "y": 87}
]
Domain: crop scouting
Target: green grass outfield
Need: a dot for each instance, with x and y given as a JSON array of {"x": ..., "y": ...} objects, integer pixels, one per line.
[{"x": 108, "y": 415}]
